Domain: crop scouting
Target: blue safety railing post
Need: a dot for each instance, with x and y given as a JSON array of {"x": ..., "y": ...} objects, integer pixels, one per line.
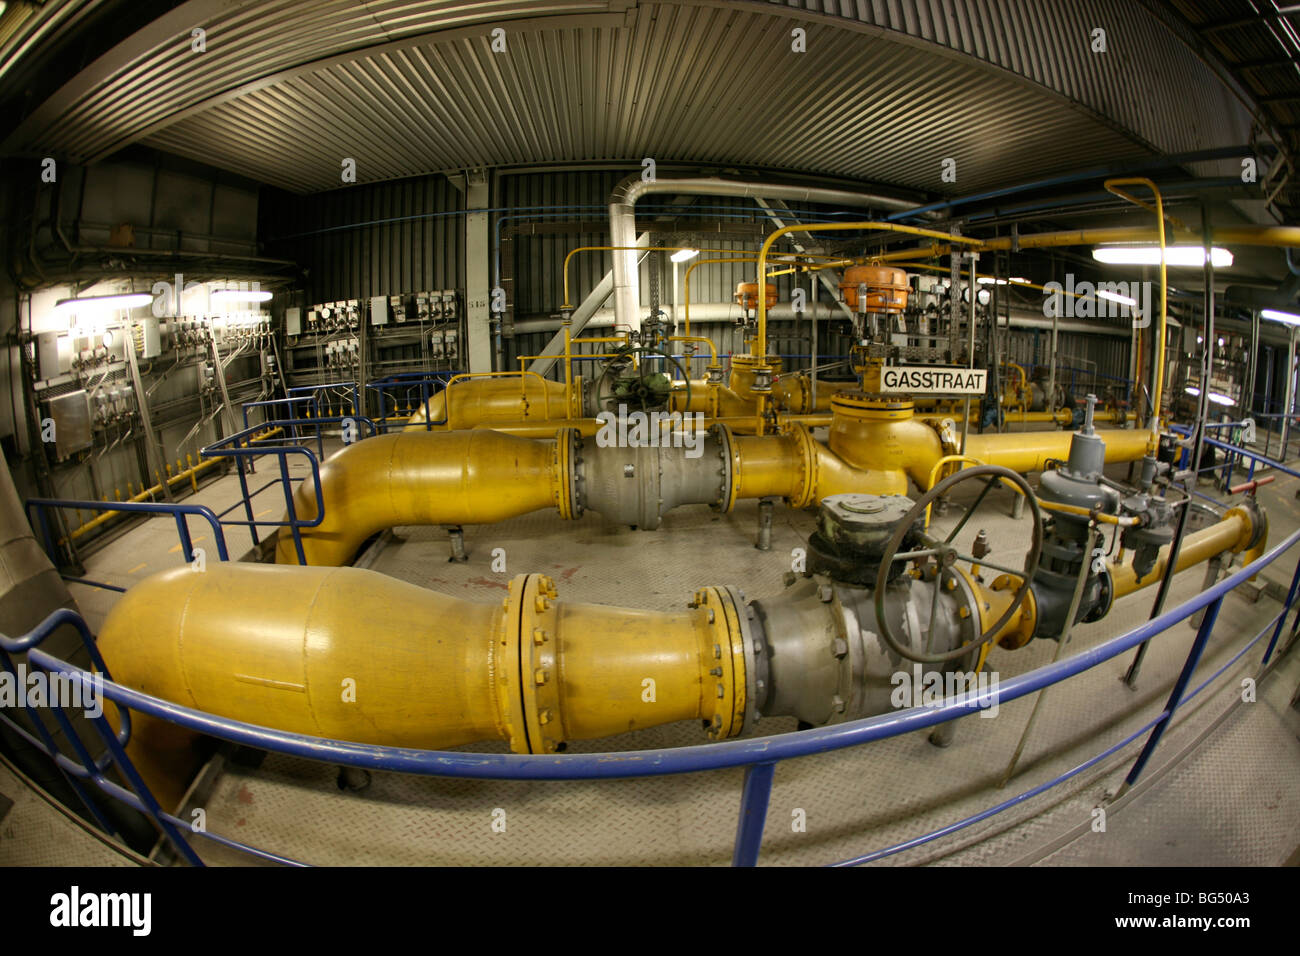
[
  {"x": 243, "y": 488},
  {"x": 291, "y": 511},
  {"x": 133, "y": 779},
  {"x": 1176, "y": 695},
  {"x": 754, "y": 797},
  {"x": 51, "y": 747},
  {"x": 1281, "y": 620},
  {"x": 187, "y": 546}
]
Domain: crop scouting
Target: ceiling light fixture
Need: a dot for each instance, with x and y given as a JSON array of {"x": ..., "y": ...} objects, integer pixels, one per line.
[
  {"x": 92, "y": 304},
  {"x": 1115, "y": 297},
  {"x": 240, "y": 295},
  {"x": 1150, "y": 256},
  {"x": 1287, "y": 318}
]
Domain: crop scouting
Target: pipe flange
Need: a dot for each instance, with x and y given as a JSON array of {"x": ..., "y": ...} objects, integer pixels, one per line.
[
  {"x": 1249, "y": 510},
  {"x": 755, "y": 648},
  {"x": 539, "y": 674},
  {"x": 565, "y": 462},
  {"x": 503, "y": 665},
  {"x": 972, "y": 625},
  {"x": 577, "y": 478},
  {"x": 807, "y": 465},
  {"x": 729, "y": 455},
  {"x": 726, "y": 673}
]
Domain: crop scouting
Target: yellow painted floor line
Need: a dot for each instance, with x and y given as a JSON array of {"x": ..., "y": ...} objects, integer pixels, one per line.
[
  {"x": 142, "y": 564},
  {"x": 260, "y": 513},
  {"x": 176, "y": 548}
]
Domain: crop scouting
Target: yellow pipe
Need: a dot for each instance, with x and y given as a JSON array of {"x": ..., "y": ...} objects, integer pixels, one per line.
[
  {"x": 355, "y": 655},
  {"x": 1029, "y": 451},
  {"x": 1156, "y": 399},
  {"x": 147, "y": 495},
  {"x": 482, "y": 476},
  {"x": 1233, "y": 534},
  {"x": 426, "y": 478},
  {"x": 484, "y": 401}
]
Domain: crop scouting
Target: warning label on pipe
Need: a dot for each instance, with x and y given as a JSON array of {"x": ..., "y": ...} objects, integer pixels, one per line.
[{"x": 933, "y": 381}]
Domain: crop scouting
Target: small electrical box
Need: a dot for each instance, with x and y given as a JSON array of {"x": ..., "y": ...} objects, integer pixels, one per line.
[{"x": 71, "y": 419}]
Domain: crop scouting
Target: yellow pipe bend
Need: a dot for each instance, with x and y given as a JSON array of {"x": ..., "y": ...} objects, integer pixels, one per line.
[
  {"x": 425, "y": 478},
  {"x": 355, "y": 655}
]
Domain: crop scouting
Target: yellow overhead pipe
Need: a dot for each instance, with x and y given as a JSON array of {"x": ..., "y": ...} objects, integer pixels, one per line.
[
  {"x": 1157, "y": 397},
  {"x": 1279, "y": 236}
]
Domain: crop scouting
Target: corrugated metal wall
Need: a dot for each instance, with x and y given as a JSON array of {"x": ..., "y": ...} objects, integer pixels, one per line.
[
  {"x": 379, "y": 239},
  {"x": 407, "y": 236}
]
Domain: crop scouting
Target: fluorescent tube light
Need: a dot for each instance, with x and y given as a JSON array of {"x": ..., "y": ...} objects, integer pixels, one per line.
[
  {"x": 1150, "y": 256},
  {"x": 240, "y": 295}
]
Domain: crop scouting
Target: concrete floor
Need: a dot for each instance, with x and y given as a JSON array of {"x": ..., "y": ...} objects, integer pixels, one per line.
[{"x": 1239, "y": 787}]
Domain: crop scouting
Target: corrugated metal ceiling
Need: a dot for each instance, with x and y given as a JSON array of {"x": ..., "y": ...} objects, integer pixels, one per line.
[{"x": 1008, "y": 88}]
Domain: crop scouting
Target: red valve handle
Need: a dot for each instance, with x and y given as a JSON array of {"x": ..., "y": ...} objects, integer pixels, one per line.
[{"x": 1250, "y": 486}]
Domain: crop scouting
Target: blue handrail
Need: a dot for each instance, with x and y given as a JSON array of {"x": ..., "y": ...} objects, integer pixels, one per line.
[
  {"x": 758, "y": 754},
  {"x": 429, "y": 384},
  {"x": 247, "y": 444},
  {"x": 39, "y": 508}
]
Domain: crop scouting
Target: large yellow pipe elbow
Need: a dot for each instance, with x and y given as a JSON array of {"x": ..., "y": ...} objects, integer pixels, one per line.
[
  {"x": 426, "y": 478},
  {"x": 354, "y": 655}
]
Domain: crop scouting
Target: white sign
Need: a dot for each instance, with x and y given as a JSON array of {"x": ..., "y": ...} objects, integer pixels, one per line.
[{"x": 933, "y": 380}]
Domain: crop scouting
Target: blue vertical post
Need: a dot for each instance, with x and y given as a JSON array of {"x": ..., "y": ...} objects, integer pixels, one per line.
[
  {"x": 243, "y": 487},
  {"x": 183, "y": 531},
  {"x": 1180, "y": 688},
  {"x": 1281, "y": 620},
  {"x": 754, "y": 797}
]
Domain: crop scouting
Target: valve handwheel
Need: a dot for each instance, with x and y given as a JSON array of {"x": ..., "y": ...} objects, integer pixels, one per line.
[{"x": 945, "y": 555}]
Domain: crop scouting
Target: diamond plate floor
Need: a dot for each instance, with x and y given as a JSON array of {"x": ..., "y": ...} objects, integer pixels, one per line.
[
  {"x": 852, "y": 801},
  {"x": 34, "y": 833}
]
